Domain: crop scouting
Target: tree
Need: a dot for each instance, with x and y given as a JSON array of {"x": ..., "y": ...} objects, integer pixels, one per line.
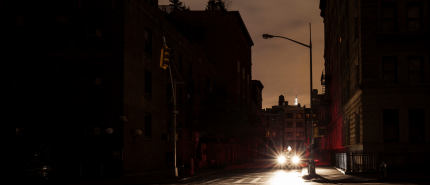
[
  {"x": 184, "y": 8},
  {"x": 176, "y": 4},
  {"x": 216, "y": 5}
]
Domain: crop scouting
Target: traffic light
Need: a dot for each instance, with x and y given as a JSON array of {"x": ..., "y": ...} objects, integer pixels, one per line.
[
  {"x": 166, "y": 57},
  {"x": 319, "y": 131}
]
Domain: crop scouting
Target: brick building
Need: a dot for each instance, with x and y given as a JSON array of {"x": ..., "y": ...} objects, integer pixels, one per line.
[
  {"x": 93, "y": 67},
  {"x": 377, "y": 75},
  {"x": 285, "y": 125}
]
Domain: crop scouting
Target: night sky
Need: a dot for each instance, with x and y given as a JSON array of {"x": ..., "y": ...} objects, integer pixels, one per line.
[{"x": 281, "y": 65}]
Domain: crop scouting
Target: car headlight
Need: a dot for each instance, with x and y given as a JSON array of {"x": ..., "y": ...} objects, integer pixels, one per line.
[
  {"x": 296, "y": 159},
  {"x": 281, "y": 159}
]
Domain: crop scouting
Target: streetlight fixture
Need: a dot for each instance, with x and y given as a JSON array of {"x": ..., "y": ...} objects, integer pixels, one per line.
[{"x": 311, "y": 158}]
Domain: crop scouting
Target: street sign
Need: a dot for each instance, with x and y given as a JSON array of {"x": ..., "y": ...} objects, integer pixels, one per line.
[{"x": 178, "y": 128}]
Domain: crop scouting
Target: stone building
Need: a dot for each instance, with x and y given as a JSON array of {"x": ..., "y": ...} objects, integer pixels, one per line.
[{"x": 377, "y": 75}]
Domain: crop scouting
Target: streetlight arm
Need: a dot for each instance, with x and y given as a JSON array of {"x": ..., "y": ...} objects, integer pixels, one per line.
[{"x": 293, "y": 41}]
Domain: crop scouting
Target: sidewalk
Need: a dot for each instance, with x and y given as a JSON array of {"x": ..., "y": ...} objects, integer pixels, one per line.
[
  {"x": 330, "y": 174},
  {"x": 159, "y": 177}
]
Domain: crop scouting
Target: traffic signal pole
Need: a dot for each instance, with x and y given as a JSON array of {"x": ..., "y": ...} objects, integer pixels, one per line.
[{"x": 173, "y": 82}]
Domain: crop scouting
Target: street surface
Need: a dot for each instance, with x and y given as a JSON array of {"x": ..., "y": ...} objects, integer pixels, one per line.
[{"x": 267, "y": 172}]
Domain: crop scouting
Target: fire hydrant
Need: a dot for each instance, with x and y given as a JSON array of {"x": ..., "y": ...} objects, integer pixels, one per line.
[{"x": 383, "y": 167}]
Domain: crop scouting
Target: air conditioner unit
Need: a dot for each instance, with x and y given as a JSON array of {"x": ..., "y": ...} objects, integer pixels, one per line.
[
  {"x": 92, "y": 130},
  {"x": 93, "y": 80},
  {"x": 94, "y": 33}
]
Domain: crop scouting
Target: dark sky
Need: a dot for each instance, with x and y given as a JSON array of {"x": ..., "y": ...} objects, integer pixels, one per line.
[{"x": 281, "y": 65}]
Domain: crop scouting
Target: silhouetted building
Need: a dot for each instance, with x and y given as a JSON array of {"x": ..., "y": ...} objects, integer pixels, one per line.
[
  {"x": 79, "y": 70},
  {"x": 377, "y": 75}
]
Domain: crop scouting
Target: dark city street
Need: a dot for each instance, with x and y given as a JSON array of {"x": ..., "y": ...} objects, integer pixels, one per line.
[{"x": 134, "y": 92}]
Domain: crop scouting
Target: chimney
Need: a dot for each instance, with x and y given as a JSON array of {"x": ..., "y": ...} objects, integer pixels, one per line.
[
  {"x": 281, "y": 100},
  {"x": 298, "y": 105}
]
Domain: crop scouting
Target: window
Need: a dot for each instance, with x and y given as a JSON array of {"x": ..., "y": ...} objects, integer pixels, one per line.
[
  {"x": 415, "y": 17},
  {"x": 273, "y": 125},
  {"x": 180, "y": 64},
  {"x": 289, "y": 125},
  {"x": 148, "y": 42},
  {"x": 267, "y": 118},
  {"x": 391, "y": 125},
  {"x": 307, "y": 116},
  {"x": 290, "y": 134},
  {"x": 314, "y": 116},
  {"x": 281, "y": 125},
  {"x": 274, "y": 134},
  {"x": 299, "y": 115},
  {"x": 299, "y": 124},
  {"x": 389, "y": 17},
  {"x": 190, "y": 69},
  {"x": 415, "y": 74},
  {"x": 289, "y": 115},
  {"x": 417, "y": 125},
  {"x": 147, "y": 125},
  {"x": 200, "y": 33},
  {"x": 180, "y": 96},
  {"x": 299, "y": 134},
  {"x": 273, "y": 118},
  {"x": 148, "y": 83},
  {"x": 267, "y": 125},
  {"x": 389, "y": 69}
]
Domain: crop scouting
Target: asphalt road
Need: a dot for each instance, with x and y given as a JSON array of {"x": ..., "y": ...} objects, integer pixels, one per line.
[{"x": 262, "y": 172}]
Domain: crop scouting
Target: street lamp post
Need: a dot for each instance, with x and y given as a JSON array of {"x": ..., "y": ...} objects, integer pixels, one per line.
[{"x": 311, "y": 158}]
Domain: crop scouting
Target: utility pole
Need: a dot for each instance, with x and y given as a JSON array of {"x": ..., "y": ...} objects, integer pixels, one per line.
[
  {"x": 311, "y": 144},
  {"x": 174, "y": 112}
]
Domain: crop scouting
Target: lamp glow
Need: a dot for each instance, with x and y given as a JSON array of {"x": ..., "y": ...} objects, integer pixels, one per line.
[
  {"x": 281, "y": 159},
  {"x": 295, "y": 159}
]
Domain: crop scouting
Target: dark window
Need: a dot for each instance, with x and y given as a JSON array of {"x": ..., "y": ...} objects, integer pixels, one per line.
[
  {"x": 289, "y": 115},
  {"x": 267, "y": 118},
  {"x": 391, "y": 125},
  {"x": 417, "y": 125},
  {"x": 415, "y": 66},
  {"x": 148, "y": 42},
  {"x": 267, "y": 125},
  {"x": 415, "y": 17},
  {"x": 289, "y": 125},
  {"x": 290, "y": 134},
  {"x": 180, "y": 64},
  {"x": 147, "y": 125},
  {"x": 389, "y": 17},
  {"x": 299, "y": 115},
  {"x": 281, "y": 125},
  {"x": 148, "y": 83},
  {"x": 357, "y": 27},
  {"x": 180, "y": 96},
  {"x": 273, "y": 125},
  {"x": 299, "y": 124},
  {"x": 190, "y": 71},
  {"x": 357, "y": 128},
  {"x": 200, "y": 33},
  {"x": 389, "y": 69}
]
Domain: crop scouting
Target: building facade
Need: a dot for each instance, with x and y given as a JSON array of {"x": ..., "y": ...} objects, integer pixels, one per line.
[
  {"x": 100, "y": 99},
  {"x": 285, "y": 125},
  {"x": 377, "y": 75}
]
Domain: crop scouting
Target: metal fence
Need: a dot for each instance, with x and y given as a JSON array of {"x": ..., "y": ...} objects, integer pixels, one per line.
[{"x": 370, "y": 162}]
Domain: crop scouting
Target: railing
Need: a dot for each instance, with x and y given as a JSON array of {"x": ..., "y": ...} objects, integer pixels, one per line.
[{"x": 370, "y": 162}]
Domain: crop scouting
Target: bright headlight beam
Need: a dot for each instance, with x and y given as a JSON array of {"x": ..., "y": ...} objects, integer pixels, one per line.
[
  {"x": 281, "y": 159},
  {"x": 296, "y": 159}
]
